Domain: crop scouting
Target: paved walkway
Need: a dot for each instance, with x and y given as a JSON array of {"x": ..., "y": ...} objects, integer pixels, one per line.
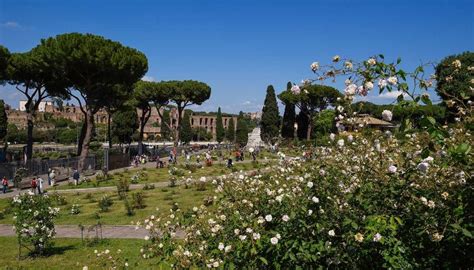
[{"x": 73, "y": 231}]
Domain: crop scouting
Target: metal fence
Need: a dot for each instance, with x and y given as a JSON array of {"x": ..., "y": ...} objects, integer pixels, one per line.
[{"x": 38, "y": 167}]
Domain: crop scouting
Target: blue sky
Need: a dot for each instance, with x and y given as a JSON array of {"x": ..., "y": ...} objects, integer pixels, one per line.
[{"x": 240, "y": 47}]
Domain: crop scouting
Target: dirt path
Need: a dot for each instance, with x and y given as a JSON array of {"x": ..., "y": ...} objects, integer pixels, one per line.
[{"x": 73, "y": 231}]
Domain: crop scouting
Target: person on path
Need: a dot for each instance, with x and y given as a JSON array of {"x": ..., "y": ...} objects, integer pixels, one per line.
[
  {"x": 33, "y": 185},
  {"x": 75, "y": 177},
  {"x": 39, "y": 185},
  {"x": 52, "y": 177},
  {"x": 5, "y": 184}
]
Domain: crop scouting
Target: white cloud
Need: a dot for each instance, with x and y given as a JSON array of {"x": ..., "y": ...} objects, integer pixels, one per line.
[
  {"x": 247, "y": 102},
  {"x": 392, "y": 95},
  {"x": 148, "y": 78},
  {"x": 11, "y": 24}
]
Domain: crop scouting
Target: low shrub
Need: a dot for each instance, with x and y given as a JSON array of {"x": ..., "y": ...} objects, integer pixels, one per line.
[
  {"x": 138, "y": 200},
  {"x": 105, "y": 202}
]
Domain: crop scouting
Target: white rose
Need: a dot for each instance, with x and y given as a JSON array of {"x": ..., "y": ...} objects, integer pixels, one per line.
[
  {"x": 268, "y": 218},
  {"x": 295, "y": 89},
  {"x": 392, "y": 80},
  {"x": 392, "y": 169},
  {"x": 387, "y": 115},
  {"x": 372, "y": 61},
  {"x": 314, "y": 66},
  {"x": 382, "y": 83},
  {"x": 331, "y": 233},
  {"x": 310, "y": 184},
  {"x": 274, "y": 240},
  {"x": 315, "y": 199},
  {"x": 369, "y": 85},
  {"x": 350, "y": 89},
  {"x": 285, "y": 218}
]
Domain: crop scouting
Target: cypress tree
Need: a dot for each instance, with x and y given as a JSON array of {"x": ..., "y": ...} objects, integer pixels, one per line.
[
  {"x": 3, "y": 121},
  {"x": 242, "y": 133},
  {"x": 164, "y": 130},
  {"x": 270, "y": 116},
  {"x": 186, "y": 133},
  {"x": 289, "y": 117},
  {"x": 303, "y": 122},
  {"x": 230, "y": 134},
  {"x": 220, "y": 131}
]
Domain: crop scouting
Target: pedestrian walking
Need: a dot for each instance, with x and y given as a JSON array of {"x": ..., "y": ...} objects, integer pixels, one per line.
[
  {"x": 52, "y": 177},
  {"x": 75, "y": 177},
  {"x": 39, "y": 185},
  {"x": 33, "y": 185},
  {"x": 5, "y": 184}
]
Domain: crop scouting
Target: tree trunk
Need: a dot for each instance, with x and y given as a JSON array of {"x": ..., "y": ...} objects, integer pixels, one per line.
[
  {"x": 143, "y": 120},
  {"x": 109, "y": 136},
  {"x": 29, "y": 140},
  {"x": 308, "y": 133},
  {"x": 80, "y": 141},
  {"x": 89, "y": 121}
]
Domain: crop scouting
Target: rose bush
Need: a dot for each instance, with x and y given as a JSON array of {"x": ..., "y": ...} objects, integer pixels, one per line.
[
  {"x": 34, "y": 221},
  {"x": 364, "y": 203}
]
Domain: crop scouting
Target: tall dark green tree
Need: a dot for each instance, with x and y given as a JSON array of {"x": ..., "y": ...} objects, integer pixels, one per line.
[
  {"x": 270, "y": 122},
  {"x": 289, "y": 118},
  {"x": 3, "y": 122},
  {"x": 124, "y": 124},
  {"x": 242, "y": 132},
  {"x": 4, "y": 58},
  {"x": 220, "y": 131},
  {"x": 91, "y": 68},
  {"x": 186, "y": 132},
  {"x": 230, "y": 132},
  {"x": 165, "y": 131},
  {"x": 454, "y": 83},
  {"x": 302, "y": 120}
]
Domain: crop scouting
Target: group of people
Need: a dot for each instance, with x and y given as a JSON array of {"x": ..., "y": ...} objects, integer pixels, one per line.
[{"x": 139, "y": 159}]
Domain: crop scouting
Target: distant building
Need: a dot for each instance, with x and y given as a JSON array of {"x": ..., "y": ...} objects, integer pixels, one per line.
[
  {"x": 41, "y": 107},
  {"x": 152, "y": 128},
  {"x": 366, "y": 120}
]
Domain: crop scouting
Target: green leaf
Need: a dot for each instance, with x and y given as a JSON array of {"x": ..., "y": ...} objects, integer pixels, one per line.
[
  {"x": 264, "y": 261},
  {"x": 399, "y": 60},
  {"x": 426, "y": 99},
  {"x": 466, "y": 233}
]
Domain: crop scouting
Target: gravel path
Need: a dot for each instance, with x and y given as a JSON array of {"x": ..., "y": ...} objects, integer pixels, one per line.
[{"x": 73, "y": 231}]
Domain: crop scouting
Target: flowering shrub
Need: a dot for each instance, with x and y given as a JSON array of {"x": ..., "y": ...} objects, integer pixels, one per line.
[
  {"x": 75, "y": 209},
  {"x": 34, "y": 221},
  {"x": 365, "y": 202}
]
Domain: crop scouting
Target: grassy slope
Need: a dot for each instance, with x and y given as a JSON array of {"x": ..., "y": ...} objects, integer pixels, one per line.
[{"x": 72, "y": 254}]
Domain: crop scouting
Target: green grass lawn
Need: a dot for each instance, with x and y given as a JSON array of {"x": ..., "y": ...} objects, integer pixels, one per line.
[
  {"x": 162, "y": 198},
  {"x": 72, "y": 254},
  {"x": 162, "y": 175}
]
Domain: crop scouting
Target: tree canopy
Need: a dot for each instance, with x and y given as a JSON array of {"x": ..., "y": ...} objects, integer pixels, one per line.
[
  {"x": 186, "y": 132},
  {"x": 455, "y": 82},
  {"x": 124, "y": 125},
  {"x": 289, "y": 118},
  {"x": 270, "y": 116},
  {"x": 220, "y": 131},
  {"x": 230, "y": 132},
  {"x": 3, "y": 121},
  {"x": 242, "y": 131},
  {"x": 92, "y": 69},
  {"x": 311, "y": 100},
  {"x": 4, "y": 58}
]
